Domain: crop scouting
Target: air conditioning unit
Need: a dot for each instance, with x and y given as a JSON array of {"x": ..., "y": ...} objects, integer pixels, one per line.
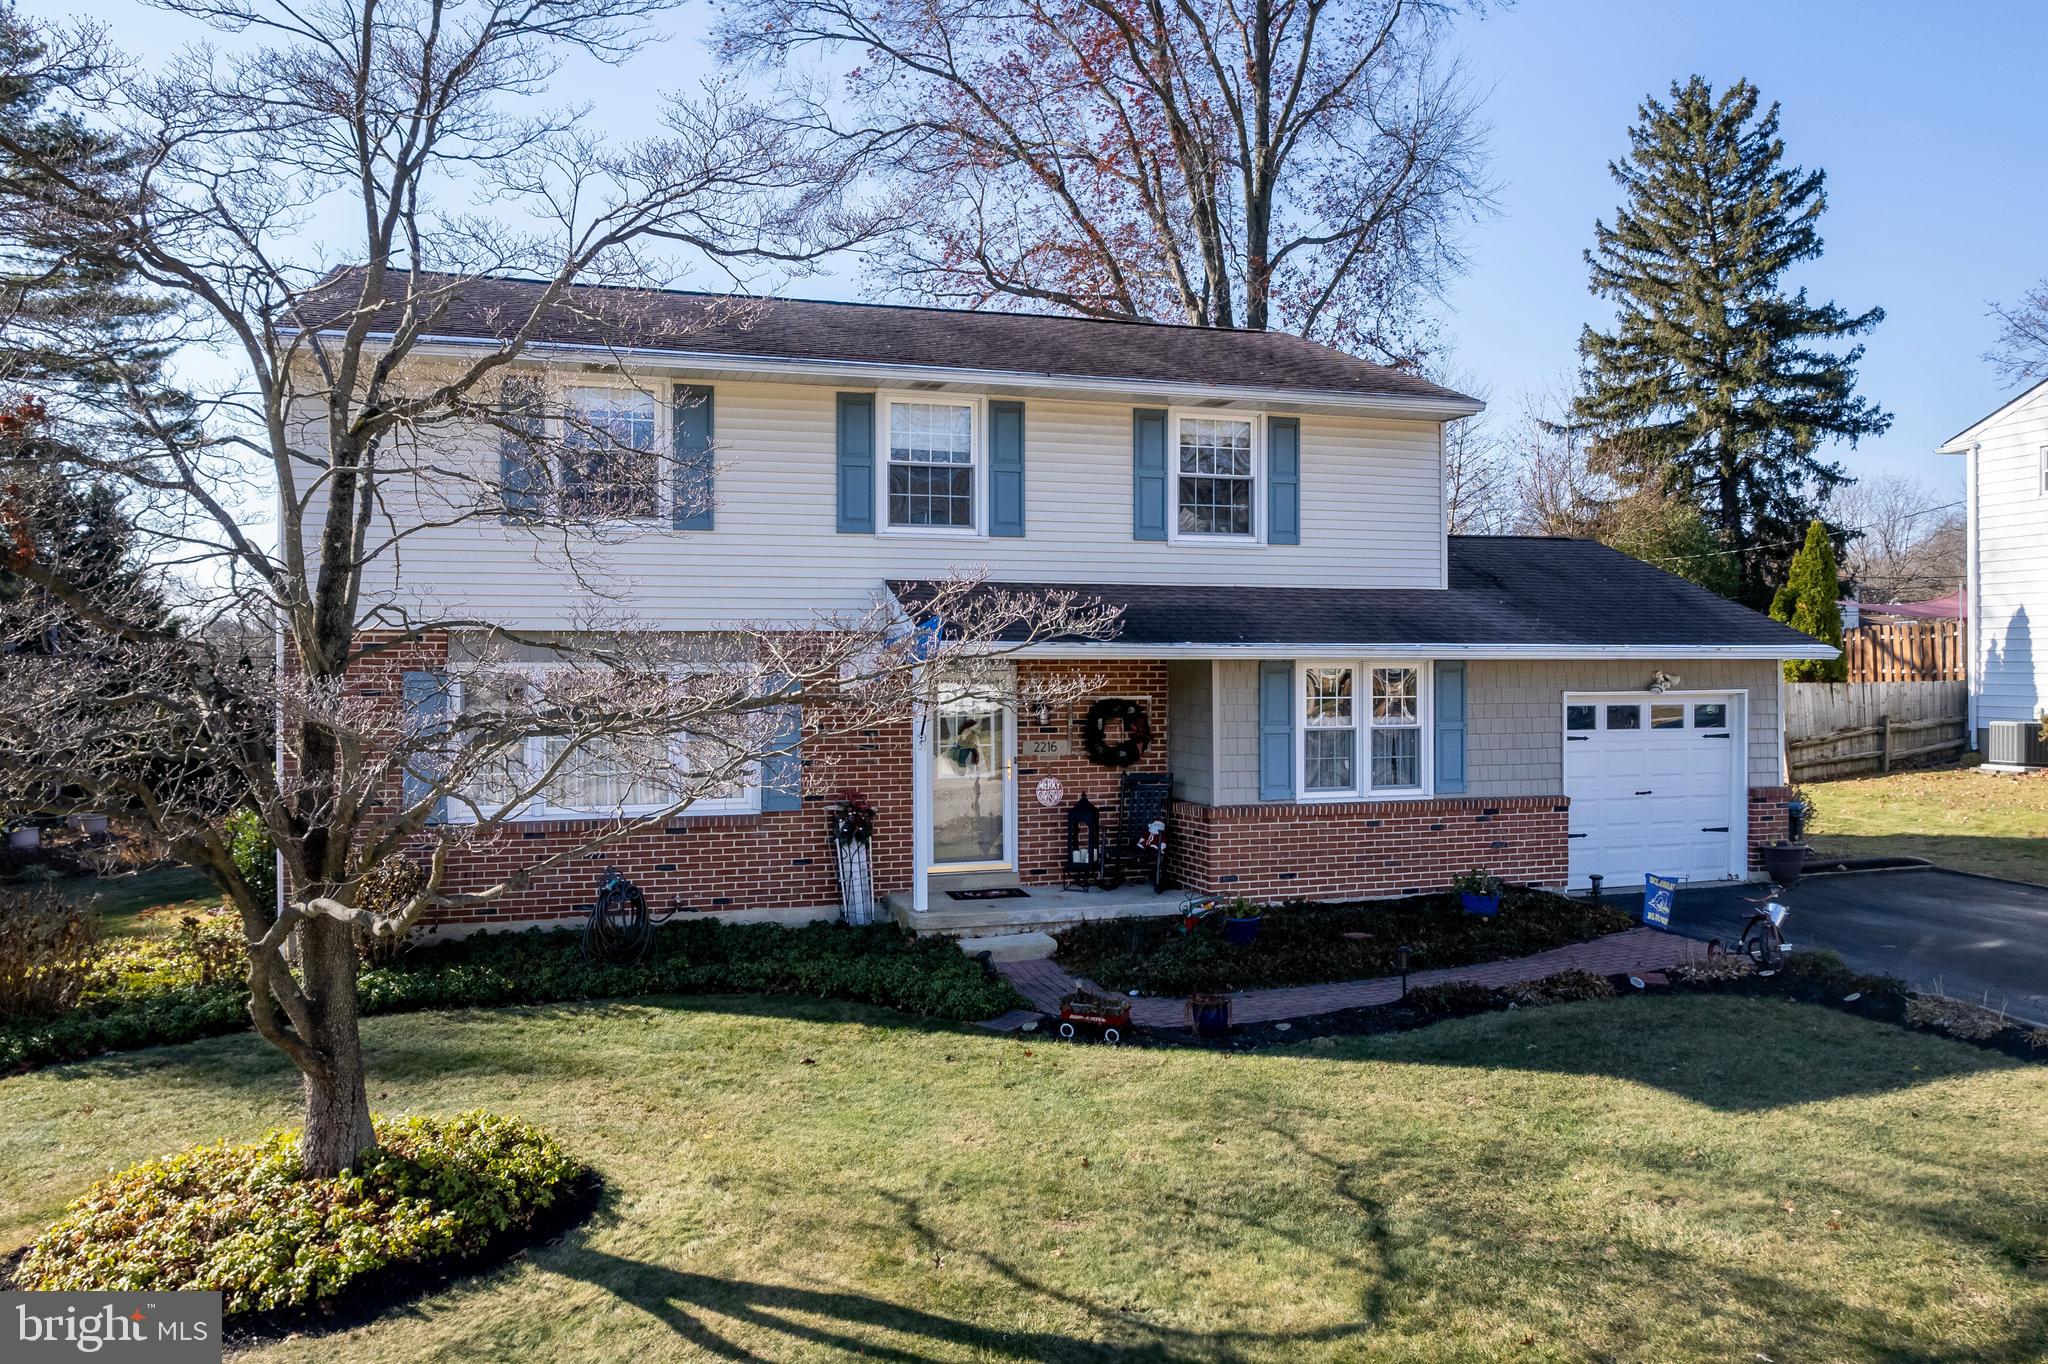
[{"x": 2016, "y": 743}]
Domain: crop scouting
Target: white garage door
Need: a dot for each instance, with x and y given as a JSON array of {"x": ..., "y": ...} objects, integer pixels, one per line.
[{"x": 1652, "y": 787}]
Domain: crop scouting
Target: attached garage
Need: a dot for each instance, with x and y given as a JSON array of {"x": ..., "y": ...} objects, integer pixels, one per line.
[{"x": 1657, "y": 784}]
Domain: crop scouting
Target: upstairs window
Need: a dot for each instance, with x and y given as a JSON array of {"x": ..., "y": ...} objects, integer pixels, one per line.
[
  {"x": 1216, "y": 477},
  {"x": 933, "y": 451},
  {"x": 609, "y": 467}
]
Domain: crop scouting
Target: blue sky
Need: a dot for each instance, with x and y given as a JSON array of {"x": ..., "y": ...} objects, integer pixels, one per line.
[{"x": 1926, "y": 119}]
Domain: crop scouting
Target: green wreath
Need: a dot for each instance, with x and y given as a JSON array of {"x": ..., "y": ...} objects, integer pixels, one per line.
[{"x": 1095, "y": 732}]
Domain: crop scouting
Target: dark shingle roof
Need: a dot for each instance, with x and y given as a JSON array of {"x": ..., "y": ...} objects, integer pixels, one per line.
[
  {"x": 880, "y": 334},
  {"x": 1504, "y": 590}
]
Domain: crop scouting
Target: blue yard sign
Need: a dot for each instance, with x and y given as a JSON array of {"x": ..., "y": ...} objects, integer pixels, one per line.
[{"x": 1657, "y": 895}]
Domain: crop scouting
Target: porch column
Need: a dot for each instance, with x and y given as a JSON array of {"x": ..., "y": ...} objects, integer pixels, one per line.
[{"x": 920, "y": 807}]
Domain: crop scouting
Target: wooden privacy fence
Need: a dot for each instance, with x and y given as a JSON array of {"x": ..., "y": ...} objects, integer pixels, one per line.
[
  {"x": 1846, "y": 729},
  {"x": 1905, "y": 651}
]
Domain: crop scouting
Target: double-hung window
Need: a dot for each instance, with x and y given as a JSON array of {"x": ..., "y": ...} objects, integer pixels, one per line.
[
  {"x": 603, "y": 777},
  {"x": 1361, "y": 729},
  {"x": 1216, "y": 477},
  {"x": 932, "y": 450},
  {"x": 610, "y": 470}
]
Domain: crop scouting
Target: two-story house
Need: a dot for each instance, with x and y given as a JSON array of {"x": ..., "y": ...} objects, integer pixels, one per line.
[
  {"x": 1350, "y": 702},
  {"x": 2005, "y": 493}
]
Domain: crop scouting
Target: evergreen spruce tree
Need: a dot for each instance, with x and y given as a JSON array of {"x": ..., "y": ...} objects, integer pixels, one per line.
[
  {"x": 1811, "y": 602},
  {"x": 1717, "y": 383}
]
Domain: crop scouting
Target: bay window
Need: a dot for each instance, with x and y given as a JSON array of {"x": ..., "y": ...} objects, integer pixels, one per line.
[
  {"x": 933, "y": 453},
  {"x": 1361, "y": 727},
  {"x": 600, "y": 777}
]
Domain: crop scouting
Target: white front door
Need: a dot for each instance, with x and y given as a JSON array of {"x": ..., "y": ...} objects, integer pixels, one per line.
[
  {"x": 1653, "y": 787},
  {"x": 972, "y": 783}
]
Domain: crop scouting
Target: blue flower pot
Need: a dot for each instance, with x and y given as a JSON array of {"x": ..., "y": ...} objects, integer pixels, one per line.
[
  {"x": 1479, "y": 904},
  {"x": 1240, "y": 932},
  {"x": 1212, "y": 1021}
]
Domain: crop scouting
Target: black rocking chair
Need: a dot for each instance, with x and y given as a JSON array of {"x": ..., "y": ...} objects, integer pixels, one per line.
[{"x": 1139, "y": 852}]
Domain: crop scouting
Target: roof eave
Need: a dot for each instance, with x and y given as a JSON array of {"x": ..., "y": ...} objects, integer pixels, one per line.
[
  {"x": 1412, "y": 649},
  {"x": 1418, "y": 406}
]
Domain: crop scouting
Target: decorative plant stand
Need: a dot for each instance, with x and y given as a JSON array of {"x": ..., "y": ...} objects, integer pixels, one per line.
[{"x": 852, "y": 830}]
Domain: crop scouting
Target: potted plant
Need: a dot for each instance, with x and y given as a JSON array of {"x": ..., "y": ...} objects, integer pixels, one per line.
[
  {"x": 1784, "y": 861},
  {"x": 1209, "y": 1015},
  {"x": 1241, "y": 924},
  {"x": 1479, "y": 891}
]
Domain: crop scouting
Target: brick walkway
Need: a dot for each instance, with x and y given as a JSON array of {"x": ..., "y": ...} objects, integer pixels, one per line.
[{"x": 1638, "y": 950}]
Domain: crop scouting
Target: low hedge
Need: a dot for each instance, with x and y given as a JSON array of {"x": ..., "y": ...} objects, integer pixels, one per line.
[
  {"x": 1307, "y": 944},
  {"x": 876, "y": 964},
  {"x": 245, "y": 1221}
]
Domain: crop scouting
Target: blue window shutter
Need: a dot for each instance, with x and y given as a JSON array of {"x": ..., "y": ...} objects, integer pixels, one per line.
[
  {"x": 782, "y": 768},
  {"x": 1283, "y": 481},
  {"x": 1006, "y": 469},
  {"x": 426, "y": 710},
  {"x": 1276, "y": 729},
  {"x": 1450, "y": 728},
  {"x": 856, "y": 464},
  {"x": 521, "y": 477},
  {"x": 1148, "y": 473},
  {"x": 690, "y": 416}
]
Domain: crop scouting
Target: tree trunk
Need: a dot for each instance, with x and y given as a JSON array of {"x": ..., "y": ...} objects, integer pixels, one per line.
[{"x": 338, "y": 1129}]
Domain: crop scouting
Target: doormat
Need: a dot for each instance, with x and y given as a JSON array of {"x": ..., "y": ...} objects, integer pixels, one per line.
[{"x": 991, "y": 893}]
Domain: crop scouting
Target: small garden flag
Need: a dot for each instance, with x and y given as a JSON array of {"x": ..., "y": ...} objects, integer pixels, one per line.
[{"x": 1657, "y": 894}]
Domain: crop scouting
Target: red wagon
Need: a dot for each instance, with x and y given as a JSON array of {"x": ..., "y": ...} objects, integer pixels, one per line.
[{"x": 1110, "y": 1019}]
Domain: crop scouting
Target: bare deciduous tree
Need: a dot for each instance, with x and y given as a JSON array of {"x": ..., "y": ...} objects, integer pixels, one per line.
[
  {"x": 1906, "y": 540},
  {"x": 2021, "y": 355},
  {"x": 384, "y": 118},
  {"x": 1292, "y": 164},
  {"x": 1479, "y": 474}
]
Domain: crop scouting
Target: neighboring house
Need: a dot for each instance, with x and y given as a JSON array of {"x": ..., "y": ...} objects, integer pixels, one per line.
[
  {"x": 1350, "y": 702},
  {"x": 2006, "y": 596}
]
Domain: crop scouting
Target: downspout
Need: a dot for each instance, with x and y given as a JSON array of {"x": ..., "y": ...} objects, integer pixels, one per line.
[{"x": 1973, "y": 613}]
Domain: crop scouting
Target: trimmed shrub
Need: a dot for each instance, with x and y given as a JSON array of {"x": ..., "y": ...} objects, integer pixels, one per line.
[
  {"x": 244, "y": 1221},
  {"x": 1454, "y": 999},
  {"x": 386, "y": 889},
  {"x": 1564, "y": 987},
  {"x": 48, "y": 947},
  {"x": 1720, "y": 966},
  {"x": 159, "y": 999},
  {"x": 1955, "y": 1017},
  {"x": 1306, "y": 944},
  {"x": 255, "y": 855}
]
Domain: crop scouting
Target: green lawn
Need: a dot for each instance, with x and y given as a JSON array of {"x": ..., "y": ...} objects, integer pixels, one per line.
[
  {"x": 1960, "y": 817},
  {"x": 1668, "y": 1179},
  {"x": 166, "y": 892}
]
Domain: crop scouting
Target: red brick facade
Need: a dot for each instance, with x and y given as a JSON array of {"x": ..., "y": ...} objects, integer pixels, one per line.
[
  {"x": 1042, "y": 832},
  {"x": 1770, "y": 819},
  {"x": 1367, "y": 848},
  {"x": 784, "y": 860}
]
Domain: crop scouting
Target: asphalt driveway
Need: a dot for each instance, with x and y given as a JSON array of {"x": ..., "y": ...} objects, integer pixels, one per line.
[{"x": 1971, "y": 935}]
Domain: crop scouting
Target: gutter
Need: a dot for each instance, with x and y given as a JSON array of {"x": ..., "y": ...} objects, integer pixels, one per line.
[
  {"x": 1412, "y": 649},
  {"x": 882, "y": 375}
]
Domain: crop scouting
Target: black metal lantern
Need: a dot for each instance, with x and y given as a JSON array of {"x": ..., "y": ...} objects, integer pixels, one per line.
[{"x": 1084, "y": 844}]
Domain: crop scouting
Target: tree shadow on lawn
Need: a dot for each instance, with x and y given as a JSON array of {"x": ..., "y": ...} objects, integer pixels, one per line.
[
  {"x": 876, "y": 1328},
  {"x": 1721, "y": 1051}
]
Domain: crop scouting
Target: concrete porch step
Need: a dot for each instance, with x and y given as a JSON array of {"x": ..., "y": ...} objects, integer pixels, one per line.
[
  {"x": 1011, "y": 946},
  {"x": 1046, "y": 909}
]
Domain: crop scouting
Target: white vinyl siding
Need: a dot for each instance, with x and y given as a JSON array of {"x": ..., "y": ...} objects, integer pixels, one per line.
[
  {"x": 1369, "y": 519},
  {"x": 2009, "y": 664}
]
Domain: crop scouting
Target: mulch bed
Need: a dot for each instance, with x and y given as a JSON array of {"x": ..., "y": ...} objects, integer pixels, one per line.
[{"x": 1879, "y": 1001}]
